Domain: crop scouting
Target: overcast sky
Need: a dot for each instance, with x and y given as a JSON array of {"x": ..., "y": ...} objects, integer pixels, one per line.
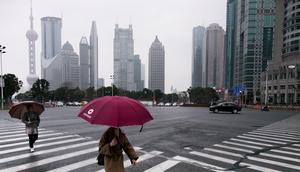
[{"x": 171, "y": 20}]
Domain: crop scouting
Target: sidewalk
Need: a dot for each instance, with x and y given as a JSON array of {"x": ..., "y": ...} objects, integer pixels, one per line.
[{"x": 279, "y": 108}]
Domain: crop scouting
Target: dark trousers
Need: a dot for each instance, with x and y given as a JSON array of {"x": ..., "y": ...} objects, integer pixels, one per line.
[{"x": 32, "y": 139}]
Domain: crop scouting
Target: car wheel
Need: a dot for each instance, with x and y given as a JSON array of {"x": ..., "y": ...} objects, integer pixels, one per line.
[
  {"x": 234, "y": 111},
  {"x": 216, "y": 110}
]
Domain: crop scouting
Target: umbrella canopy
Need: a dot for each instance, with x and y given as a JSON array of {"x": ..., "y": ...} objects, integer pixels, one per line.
[
  {"x": 17, "y": 110},
  {"x": 115, "y": 111}
]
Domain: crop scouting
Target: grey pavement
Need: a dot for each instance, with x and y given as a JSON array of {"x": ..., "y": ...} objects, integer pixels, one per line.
[{"x": 178, "y": 139}]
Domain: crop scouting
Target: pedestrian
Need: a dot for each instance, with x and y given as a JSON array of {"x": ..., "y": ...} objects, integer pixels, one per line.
[
  {"x": 111, "y": 144},
  {"x": 31, "y": 120}
]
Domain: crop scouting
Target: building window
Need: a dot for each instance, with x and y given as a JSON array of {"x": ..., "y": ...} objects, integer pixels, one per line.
[{"x": 282, "y": 87}]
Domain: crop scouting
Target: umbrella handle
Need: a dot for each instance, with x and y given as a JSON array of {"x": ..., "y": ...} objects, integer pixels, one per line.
[{"x": 141, "y": 128}]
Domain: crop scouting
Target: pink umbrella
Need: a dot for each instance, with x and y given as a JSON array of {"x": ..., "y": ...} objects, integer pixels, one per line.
[{"x": 115, "y": 111}]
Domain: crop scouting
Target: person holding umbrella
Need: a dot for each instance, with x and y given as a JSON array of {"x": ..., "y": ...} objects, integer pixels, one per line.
[
  {"x": 115, "y": 112},
  {"x": 31, "y": 120},
  {"x": 111, "y": 145}
]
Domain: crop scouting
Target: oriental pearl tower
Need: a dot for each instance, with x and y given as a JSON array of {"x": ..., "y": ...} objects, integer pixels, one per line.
[{"x": 32, "y": 36}]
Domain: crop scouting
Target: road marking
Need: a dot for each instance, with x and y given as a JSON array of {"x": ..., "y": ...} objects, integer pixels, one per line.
[
  {"x": 229, "y": 161},
  {"x": 276, "y": 132},
  {"x": 14, "y": 132},
  {"x": 280, "y": 157},
  {"x": 233, "y": 148},
  {"x": 270, "y": 138},
  {"x": 290, "y": 148},
  {"x": 40, "y": 146},
  {"x": 23, "y": 134},
  {"x": 26, "y": 155},
  {"x": 80, "y": 164},
  {"x": 144, "y": 157},
  {"x": 163, "y": 166},
  {"x": 274, "y": 135},
  {"x": 12, "y": 127},
  {"x": 75, "y": 166},
  {"x": 49, "y": 160},
  {"x": 258, "y": 168},
  {"x": 38, "y": 141},
  {"x": 242, "y": 145},
  {"x": 24, "y": 138},
  {"x": 223, "y": 152},
  {"x": 202, "y": 164},
  {"x": 250, "y": 142},
  {"x": 263, "y": 140},
  {"x": 280, "y": 131},
  {"x": 286, "y": 152},
  {"x": 274, "y": 163}
]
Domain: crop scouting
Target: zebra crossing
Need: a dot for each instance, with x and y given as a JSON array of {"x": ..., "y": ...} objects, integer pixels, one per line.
[{"x": 272, "y": 148}]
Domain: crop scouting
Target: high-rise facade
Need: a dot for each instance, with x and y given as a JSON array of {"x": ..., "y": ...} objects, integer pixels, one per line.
[
  {"x": 84, "y": 54},
  {"x": 253, "y": 43},
  {"x": 230, "y": 42},
  {"x": 137, "y": 73},
  {"x": 143, "y": 74},
  {"x": 51, "y": 39},
  {"x": 123, "y": 58},
  {"x": 156, "y": 73},
  {"x": 63, "y": 69},
  {"x": 32, "y": 36},
  {"x": 283, "y": 72},
  {"x": 198, "y": 54},
  {"x": 215, "y": 36},
  {"x": 94, "y": 56}
]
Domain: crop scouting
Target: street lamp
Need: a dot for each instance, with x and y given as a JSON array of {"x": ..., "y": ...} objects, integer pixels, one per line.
[
  {"x": 292, "y": 67},
  {"x": 2, "y": 48},
  {"x": 112, "y": 85}
]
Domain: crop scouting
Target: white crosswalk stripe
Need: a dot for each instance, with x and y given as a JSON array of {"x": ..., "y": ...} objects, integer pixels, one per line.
[
  {"x": 270, "y": 138},
  {"x": 14, "y": 132},
  {"x": 40, "y": 145},
  {"x": 127, "y": 163},
  {"x": 38, "y": 141},
  {"x": 23, "y": 134},
  {"x": 249, "y": 147},
  {"x": 163, "y": 166},
  {"x": 49, "y": 160},
  {"x": 275, "y": 134}
]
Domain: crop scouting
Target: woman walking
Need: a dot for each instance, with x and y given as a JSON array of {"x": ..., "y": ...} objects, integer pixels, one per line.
[
  {"x": 31, "y": 120},
  {"x": 112, "y": 143}
]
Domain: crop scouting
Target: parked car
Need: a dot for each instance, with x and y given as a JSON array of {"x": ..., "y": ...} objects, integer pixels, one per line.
[
  {"x": 59, "y": 104},
  {"x": 174, "y": 104},
  {"x": 225, "y": 107},
  {"x": 161, "y": 104},
  {"x": 69, "y": 104},
  {"x": 76, "y": 104},
  {"x": 168, "y": 104}
]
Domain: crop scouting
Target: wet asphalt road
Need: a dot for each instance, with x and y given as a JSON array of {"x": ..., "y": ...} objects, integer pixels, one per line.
[{"x": 175, "y": 131}]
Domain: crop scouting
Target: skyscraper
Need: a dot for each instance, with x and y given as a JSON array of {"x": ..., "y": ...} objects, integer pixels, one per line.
[
  {"x": 143, "y": 75},
  {"x": 94, "y": 56},
  {"x": 137, "y": 72},
  {"x": 84, "y": 53},
  {"x": 63, "y": 69},
  {"x": 51, "y": 39},
  {"x": 215, "y": 56},
  {"x": 283, "y": 72},
  {"x": 156, "y": 66},
  {"x": 32, "y": 36},
  {"x": 198, "y": 53},
  {"x": 253, "y": 43},
  {"x": 123, "y": 58},
  {"x": 230, "y": 42}
]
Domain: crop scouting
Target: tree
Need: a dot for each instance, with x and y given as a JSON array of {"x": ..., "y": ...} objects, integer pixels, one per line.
[
  {"x": 40, "y": 90},
  {"x": 24, "y": 96},
  {"x": 90, "y": 93},
  {"x": 158, "y": 95},
  {"x": 11, "y": 85},
  {"x": 200, "y": 95}
]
